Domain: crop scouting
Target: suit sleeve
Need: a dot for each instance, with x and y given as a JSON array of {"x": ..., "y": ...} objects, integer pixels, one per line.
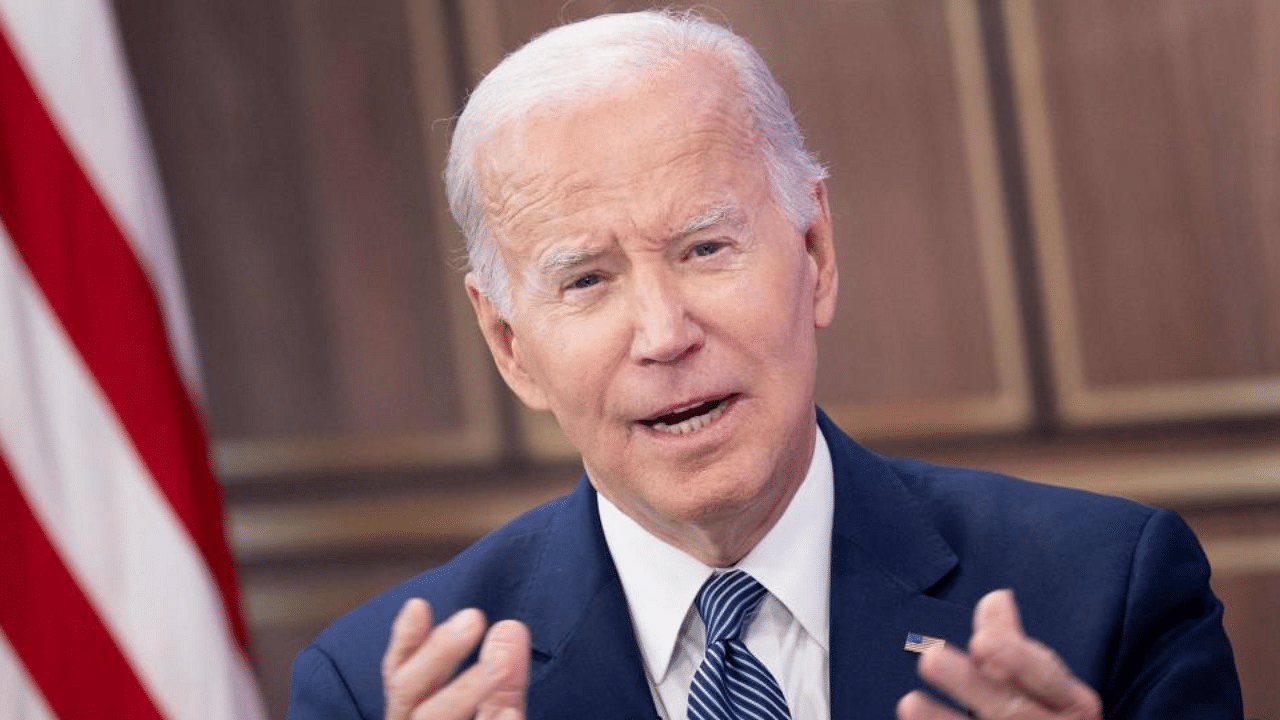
[
  {"x": 317, "y": 690},
  {"x": 1173, "y": 659}
]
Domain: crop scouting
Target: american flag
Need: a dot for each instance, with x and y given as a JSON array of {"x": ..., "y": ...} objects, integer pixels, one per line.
[
  {"x": 918, "y": 643},
  {"x": 119, "y": 596}
]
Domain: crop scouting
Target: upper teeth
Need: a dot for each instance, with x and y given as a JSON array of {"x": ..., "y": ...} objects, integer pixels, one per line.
[{"x": 697, "y": 422}]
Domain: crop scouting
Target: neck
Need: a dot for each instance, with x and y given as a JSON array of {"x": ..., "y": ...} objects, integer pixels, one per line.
[
  {"x": 721, "y": 536},
  {"x": 723, "y": 544}
]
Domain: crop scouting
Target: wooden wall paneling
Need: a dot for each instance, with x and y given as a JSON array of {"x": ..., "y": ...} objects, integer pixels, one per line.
[
  {"x": 304, "y": 187},
  {"x": 408, "y": 373},
  {"x": 893, "y": 97},
  {"x": 1151, "y": 133},
  {"x": 931, "y": 338},
  {"x": 1186, "y": 467},
  {"x": 219, "y": 104}
]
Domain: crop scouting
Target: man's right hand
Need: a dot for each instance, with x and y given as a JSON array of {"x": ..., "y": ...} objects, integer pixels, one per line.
[{"x": 421, "y": 660}]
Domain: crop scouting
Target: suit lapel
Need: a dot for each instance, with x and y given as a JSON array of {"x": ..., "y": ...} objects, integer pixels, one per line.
[
  {"x": 586, "y": 663},
  {"x": 885, "y": 555}
]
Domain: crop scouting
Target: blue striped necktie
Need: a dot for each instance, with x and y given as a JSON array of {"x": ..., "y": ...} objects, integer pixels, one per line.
[{"x": 731, "y": 683}]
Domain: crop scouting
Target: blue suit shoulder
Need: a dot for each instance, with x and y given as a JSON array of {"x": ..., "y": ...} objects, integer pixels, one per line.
[
  {"x": 980, "y": 512},
  {"x": 1046, "y": 542},
  {"x": 341, "y": 667}
]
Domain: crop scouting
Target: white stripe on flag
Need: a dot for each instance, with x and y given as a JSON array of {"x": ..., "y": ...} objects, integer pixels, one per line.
[
  {"x": 20, "y": 699},
  {"x": 103, "y": 513}
]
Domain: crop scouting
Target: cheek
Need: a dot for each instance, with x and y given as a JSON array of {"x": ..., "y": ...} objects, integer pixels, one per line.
[
  {"x": 575, "y": 362},
  {"x": 777, "y": 330},
  {"x": 773, "y": 309}
]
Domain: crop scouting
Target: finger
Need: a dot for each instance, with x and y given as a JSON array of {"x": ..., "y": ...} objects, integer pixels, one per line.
[
  {"x": 957, "y": 675},
  {"x": 1002, "y": 651},
  {"x": 998, "y": 611},
  {"x": 998, "y": 639},
  {"x": 411, "y": 626},
  {"x": 506, "y": 649},
  {"x": 409, "y": 630},
  {"x": 916, "y": 705},
  {"x": 462, "y": 698},
  {"x": 430, "y": 666}
]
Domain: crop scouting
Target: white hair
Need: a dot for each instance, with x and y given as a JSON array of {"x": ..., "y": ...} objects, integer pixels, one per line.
[{"x": 584, "y": 60}]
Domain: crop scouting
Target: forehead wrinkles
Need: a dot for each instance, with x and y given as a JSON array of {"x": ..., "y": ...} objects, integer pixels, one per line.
[
  {"x": 521, "y": 196},
  {"x": 633, "y": 158},
  {"x": 530, "y": 194}
]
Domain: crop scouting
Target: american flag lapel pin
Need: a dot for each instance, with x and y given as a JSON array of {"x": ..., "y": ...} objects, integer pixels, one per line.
[{"x": 918, "y": 643}]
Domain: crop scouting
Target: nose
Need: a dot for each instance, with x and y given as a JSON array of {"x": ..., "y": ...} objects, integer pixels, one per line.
[{"x": 664, "y": 330}]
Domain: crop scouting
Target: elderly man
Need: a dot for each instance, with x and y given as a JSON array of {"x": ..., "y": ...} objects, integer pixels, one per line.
[{"x": 651, "y": 257}]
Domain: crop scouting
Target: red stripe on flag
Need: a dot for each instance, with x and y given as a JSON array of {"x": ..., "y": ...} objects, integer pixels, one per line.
[
  {"x": 83, "y": 674},
  {"x": 93, "y": 281}
]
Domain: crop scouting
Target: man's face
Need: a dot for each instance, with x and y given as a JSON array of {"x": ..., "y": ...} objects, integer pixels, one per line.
[{"x": 664, "y": 308}]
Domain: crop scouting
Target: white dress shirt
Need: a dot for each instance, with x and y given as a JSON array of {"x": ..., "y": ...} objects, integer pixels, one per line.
[{"x": 790, "y": 631}]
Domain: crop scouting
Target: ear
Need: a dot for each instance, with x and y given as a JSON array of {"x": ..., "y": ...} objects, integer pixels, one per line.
[
  {"x": 505, "y": 347},
  {"x": 820, "y": 244}
]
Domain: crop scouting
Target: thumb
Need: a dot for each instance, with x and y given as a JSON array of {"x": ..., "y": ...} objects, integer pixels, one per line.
[{"x": 506, "y": 653}]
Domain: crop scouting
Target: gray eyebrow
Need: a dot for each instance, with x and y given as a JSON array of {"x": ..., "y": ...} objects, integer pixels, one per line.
[
  {"x": 566, "y": 260},
  {"x": 725, "y": 212}
]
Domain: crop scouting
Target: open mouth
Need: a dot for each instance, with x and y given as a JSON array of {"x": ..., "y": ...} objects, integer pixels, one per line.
[{"x": 688, "y": 419}]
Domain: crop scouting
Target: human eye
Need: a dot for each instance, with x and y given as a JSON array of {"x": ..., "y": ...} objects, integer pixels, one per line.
[
  {"x": 706, "y": 249},
  {"x": 585, "y": 281}
]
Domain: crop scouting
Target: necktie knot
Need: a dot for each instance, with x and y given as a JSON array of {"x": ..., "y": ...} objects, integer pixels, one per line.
[
  {"x": 727, "y": 602},
  {"x": 731, "y": 683}
]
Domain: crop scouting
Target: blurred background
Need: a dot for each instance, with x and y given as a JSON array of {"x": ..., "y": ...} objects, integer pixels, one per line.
[{"x": 1059, "y": 227}]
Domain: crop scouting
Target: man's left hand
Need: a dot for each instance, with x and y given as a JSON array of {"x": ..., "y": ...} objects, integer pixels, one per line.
[{"x": 1005, "y": 675}]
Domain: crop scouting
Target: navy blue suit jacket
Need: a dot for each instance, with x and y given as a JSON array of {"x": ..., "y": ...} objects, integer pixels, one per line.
[{"x": 1119, "y": 590}]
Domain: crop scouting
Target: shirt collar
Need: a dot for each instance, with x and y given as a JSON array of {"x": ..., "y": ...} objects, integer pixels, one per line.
[{"x": 792, "y": 561}]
